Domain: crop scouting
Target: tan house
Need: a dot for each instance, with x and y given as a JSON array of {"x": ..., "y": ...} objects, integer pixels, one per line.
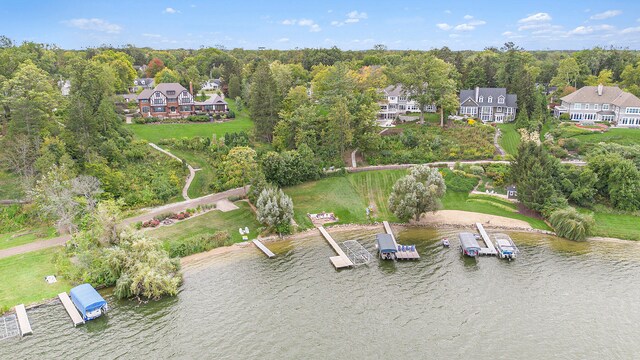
[{"x": 601, "y": 103}]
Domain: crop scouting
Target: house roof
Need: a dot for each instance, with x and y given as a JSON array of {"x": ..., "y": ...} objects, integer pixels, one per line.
[
  {"x": 145, "y": 94},
  {"x": 143, "y": 81},
  {"x": 385, "y": 243},
  {"x": 213, "y": 100},
  {"x": 163, "y": 88},
  {"x": 510, "y": 100},
  {"x": 394, "y": 90},
  {"x": 610, "y": 95}
]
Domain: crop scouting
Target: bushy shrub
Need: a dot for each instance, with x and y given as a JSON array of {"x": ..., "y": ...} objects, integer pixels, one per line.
[
  {"x": 200, "y": 243},
  {"x": 570, "y": 224},
  {"x": 197, "y": 118},
  {"x": 476, "y": 170}
]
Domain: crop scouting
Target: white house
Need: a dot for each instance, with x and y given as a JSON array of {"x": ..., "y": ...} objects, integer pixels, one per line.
[
  {"x": 601, "y": 103},
  {"x": 394, "y": 101},
  {"x": 212, "y": 85},
  {"x": 489, "y": 104}
]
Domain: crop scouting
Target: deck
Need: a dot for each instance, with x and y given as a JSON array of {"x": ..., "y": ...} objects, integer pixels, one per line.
[
  {"x": 71, "y": 309},
  {"x": 409, "y": 254},
  {"x": 340, "y": 261},
  {"x": 264, "y": 249},
  {"x": 490, "y": 249},
  {"x": 23, "y": 320}
]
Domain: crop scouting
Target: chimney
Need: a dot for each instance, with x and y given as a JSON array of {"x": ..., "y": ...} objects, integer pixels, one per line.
[
  {"x": 477, "y": 92},
  {"x": 600, "y": 87},
  {"x": 191, "y": 88}
]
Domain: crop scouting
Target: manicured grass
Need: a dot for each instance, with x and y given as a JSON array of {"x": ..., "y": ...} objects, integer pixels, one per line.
[
  {"x": 22, "y": 237},
  {"x": 618, "y": 136},
  {"x": 375, "y": 188},
  {"x": 22, "y": 278},
  {"x": 621, "y": 226},
  {"x": 509, "y": 138},
  {"x": 210, "y": 223},
  {"x": 10, "y": 186},
  {"x": 200, "y": 185}
]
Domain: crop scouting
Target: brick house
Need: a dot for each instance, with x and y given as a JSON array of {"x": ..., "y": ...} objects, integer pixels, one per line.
[{"x": 166, "y": 100}]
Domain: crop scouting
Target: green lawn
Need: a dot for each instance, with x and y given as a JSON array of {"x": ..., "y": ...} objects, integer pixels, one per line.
[
  {"x": 621, "y": 226},
  {"x": 509, "y": 139},
  {"x": 22, "y": 237},
  {"x": 209, "y": 223},
  {"x": 10, "y": 186},
  {"x": 348, "y": 196},
  {"x": 204, "y": 177},
  {"x": 618, "y": 136},
  {"x": 22, "y": 278}
]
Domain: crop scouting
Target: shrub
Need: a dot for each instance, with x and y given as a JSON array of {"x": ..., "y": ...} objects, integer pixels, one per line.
[
  {"x": 197, "y": 244},
  {"x": 570, "y": 224},
  {"x": 565, "y": 117},
  {"x": 139, "y": 120},
  {"x": 476, "y": 170}
]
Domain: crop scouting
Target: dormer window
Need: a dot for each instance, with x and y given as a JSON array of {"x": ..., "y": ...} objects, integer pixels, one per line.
[
  {"x": 500, "y": 99},
  {"x": 142, "y": 82},
  {"x": 490, "y": 100},
  {"x": 171, "y": 92},
  {"x": 481, "y": 99}
]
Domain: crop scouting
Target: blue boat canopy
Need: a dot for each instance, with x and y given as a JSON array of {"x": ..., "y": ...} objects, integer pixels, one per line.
[
  {"x": 386, "y": 244},
  {"x": 86, "y": 299}
]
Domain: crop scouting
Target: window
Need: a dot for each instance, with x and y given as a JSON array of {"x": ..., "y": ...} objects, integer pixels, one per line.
[
  {"x": 576, "y": 116},
  {"x": 481, "y": 99},
  {"x": 595, "y": 106},
  {"x": 158, "y": 109},
  {"x": 392, "y": 98},
  {"x": 631, "y": 110},
  {"x": 486, "y": 109},
  {"x": 577, "y": 106},
  {"x": 486, "y": 117},
  {"x": 402, "y": 107},
  {"x": 145, "y": 109},
  {"x": 590, "y": 116},
  {"x": 403, "y": 98},
  {"x": 490, "y": 100},
  {"x": 185, "y": 108},
  {"x": 171, "y": 92},
  {"x": 499, "y": 109},
  {"x": 509, "y": 110},
  {"x": 586, "y": 106},
  {"x": 605, "y": 106},
  {"x": 500, "y": 99},
  {"x": 606, "y": 117}
]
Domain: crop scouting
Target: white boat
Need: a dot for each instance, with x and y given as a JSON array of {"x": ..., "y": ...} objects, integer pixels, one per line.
[{"x": 505, "y": 246}]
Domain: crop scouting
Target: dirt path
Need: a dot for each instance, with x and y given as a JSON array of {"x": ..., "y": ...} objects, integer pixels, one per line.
[
  {"x": 192, "y": 171},
  {"x": 147, "y": 215}
]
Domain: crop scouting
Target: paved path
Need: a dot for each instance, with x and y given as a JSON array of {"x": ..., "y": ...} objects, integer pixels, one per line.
[
  {"x": 449, "y": 164},
  {"x": 148, "y": 214},
  {"x": 192, "y": 171},
  {"x": 353, "y": 158},
  {"x": 497, "y": 144}
]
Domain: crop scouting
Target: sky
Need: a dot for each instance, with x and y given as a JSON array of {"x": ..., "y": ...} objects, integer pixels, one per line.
[{"x": 349, "y": 25}]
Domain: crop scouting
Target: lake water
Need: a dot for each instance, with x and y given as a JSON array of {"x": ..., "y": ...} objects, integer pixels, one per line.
[{"x": 559, "y": 299}]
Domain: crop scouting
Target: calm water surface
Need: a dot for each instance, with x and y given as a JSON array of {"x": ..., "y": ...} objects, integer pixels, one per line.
[{"x": 559, "y": 300}]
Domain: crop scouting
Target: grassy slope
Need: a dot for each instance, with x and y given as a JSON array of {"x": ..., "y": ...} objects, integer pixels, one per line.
[
  {"x": 509, "y": 139},
  {"x": 22, "y": 278},
  {"x": 209, "y": 223},
  {"x": 618, "y": 136},
  {"x": 10, "y": 186},
  {"x": 621, "y": 226},
  {"x": 348, "y": 197},
  {"x": 22, "y": 237}
]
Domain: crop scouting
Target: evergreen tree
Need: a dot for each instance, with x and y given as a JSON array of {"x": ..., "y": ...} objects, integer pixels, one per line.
[
  {"x": 234, "y": 87},
  {"x": 264, "y": 101}
]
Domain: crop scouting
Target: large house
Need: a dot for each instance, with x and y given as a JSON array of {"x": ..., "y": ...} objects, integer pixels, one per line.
[
  {"x": 141, "y": 83},
  {"x": 212, "y": 84},
  {"x": 601, "y": 103},
  {"x": 173, "y": 100},
  {"x": 489, "y": 104},
  {"x": 394, "y": 101}
]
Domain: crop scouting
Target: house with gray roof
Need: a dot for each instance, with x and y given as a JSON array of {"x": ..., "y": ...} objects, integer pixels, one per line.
[
  {"x": 141, "y": 83},
  {"x": 489, "y": 104},
  {"x": 601, "y": 103},
  {"x": 212, "y": 85},
  {"x": 166, "y": 100},
  {"x": 395, "y": 101}
]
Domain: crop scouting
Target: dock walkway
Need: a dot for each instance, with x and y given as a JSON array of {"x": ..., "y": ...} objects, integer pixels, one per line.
[
  {"x": 490, "y": 249},
  {"x": 23, "y": 320},
  {"x": 264, "y": 249},
  {"x": 404, "y": 252},
  {"x": 340, "y": 261},
  {"x": 71, "y": 309}
]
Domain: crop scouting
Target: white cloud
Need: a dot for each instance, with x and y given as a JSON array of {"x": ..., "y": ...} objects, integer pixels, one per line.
[
  {"x": 336, "y": 23},
  {"x": 447, "y": 11},
  {"x": 454, "y": 35},
  {"x": 313, "y": 27},
  {"x": 507, "y": 33},
  {"x": 152, "y": 35},
  {"x": 94, "y": 25},
  {"x": 605, "y": 15},
  {"x": 585, "y": 30},
  {"x": 535, "y": 18},
  {"x": 283, "y": 40},
  {"x": 170, "y": 10},
  {"x": 468, "y": 17},
  {"x": 464, "y": 27},
  {"x": 630, "y": 30},
  {"x": 352, "y": 18},
  {"x": 288, "y": 22},
  {"x": 477, "y": 22},
  {"x": 444, "y": 26}
]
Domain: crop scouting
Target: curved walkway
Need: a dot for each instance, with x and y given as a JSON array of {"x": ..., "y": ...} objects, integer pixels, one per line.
[
  {"x": 496, "y": 143},
  {"x": 147, "y": 215},
  {"x": 192, "y": 171}
]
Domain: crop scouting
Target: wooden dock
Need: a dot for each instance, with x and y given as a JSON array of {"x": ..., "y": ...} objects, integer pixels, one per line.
[
  {"x": 264, "y": 249},
  {"x": 71, "y": 309},
  {"x": 340, "y": 261},
  {"x": 490, "y": 249},
  {"x": 23, "y": 320},
  {"x": 404, "y": 252}
]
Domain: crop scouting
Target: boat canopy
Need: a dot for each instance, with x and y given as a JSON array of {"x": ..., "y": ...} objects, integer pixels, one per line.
[
  {"x": 386, "y": 244},
  {"x": 86, "y": 299},
  {"x": 468, "y": 241}
]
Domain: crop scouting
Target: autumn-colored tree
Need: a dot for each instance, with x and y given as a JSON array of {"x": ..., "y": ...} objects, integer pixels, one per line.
[{"x": 154, "y": 67}]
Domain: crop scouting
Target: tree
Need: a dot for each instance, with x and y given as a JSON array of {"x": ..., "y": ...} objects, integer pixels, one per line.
[
  {"x": 166, "y": 75},
  {"x": 234, "y": 87},
  {"x": 570, "y": 224},
  {"x": 122, "y": 66},
  {"x": 567, "y": 73},
  {"x": 417, "y": 193},
  {"x": 275, "y": 210},
  {"x": 264, "y": 101},
  {"x": 630, "y": 78},
  {"x": 154, "y": 67},
  {"x": 428, "y": 80},
  {"x": 605, "y": 77},
  {"x": 239, "y": 166},
  {"x": 55, "y": 198}
]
